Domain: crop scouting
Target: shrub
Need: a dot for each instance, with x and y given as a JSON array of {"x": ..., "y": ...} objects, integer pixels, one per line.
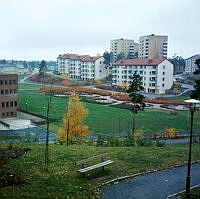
[
  {"x": 9, "y": 175},
  {"x": 144, "y": 142}
]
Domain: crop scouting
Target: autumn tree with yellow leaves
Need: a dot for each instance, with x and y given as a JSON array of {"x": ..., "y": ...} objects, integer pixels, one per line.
[{"x": 75, "y": 114}]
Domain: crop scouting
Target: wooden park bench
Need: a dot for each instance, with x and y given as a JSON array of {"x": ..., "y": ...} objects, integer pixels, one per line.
[{"x": 95, "y": 166}]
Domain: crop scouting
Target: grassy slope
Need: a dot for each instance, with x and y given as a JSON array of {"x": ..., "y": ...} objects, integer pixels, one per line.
[
  {"x": 31, "y": 86},
  {"x": 62, "y": 180},
  {"x": 105, "y": 119}
]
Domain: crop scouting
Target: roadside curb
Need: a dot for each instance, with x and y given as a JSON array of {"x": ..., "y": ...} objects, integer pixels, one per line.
[
  {"x": 142, "y": 173},
  {"x": 175, "y": 194}
]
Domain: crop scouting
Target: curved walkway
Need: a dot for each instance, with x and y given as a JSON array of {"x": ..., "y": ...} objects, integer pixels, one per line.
[{"x": 156, "y": 185}]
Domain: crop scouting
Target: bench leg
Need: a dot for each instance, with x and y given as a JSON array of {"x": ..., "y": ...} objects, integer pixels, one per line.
[{"x": 103, "y": 168}]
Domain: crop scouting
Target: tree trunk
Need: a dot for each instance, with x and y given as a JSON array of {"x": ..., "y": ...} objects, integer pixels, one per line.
[
  {"x": 47, "y": 140},
  {"x": 133, "y": 128},
  {"x": 68, "y": 132}
]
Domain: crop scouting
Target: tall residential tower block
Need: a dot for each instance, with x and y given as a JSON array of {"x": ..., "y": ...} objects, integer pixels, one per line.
[
  {"x": 153, "y": 47},
  {"x": 126, "y": 46}
]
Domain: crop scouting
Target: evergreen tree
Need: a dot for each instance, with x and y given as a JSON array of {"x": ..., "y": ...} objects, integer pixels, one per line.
[
  {"x": 43, "y": 67},
  {"x": 120, "y": 56},
  {"x": 136, "y": 98}
]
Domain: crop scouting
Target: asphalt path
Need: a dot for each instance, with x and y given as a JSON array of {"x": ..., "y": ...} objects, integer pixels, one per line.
[{"x": 156, "y": 185}]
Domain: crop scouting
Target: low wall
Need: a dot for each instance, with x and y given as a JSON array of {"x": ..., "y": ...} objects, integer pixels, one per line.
[{"x": 28, "y": 116}]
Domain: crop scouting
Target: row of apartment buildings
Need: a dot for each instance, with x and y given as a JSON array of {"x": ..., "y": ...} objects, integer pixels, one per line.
[
  {"x": 149, "y": 47},
  {"x": 152, "y": 51},
  {"x": 157, "y": 74}
]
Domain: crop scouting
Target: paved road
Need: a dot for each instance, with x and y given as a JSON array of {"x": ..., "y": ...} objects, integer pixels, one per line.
[{"x": 157, "y": 185}]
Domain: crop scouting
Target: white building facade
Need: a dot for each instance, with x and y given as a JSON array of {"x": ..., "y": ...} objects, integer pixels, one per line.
[
  {"x": 157, "y": 74},
  {"x": 190, "y": 65},
  {"x": 82, "y": 67}
]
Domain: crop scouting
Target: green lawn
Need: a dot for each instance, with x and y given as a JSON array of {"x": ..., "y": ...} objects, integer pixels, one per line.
[
  {"x": 178, "y": 98},
  {"x": 31, "y": 86},
  {"x": 105, "y": 119},
  {"x": 64, "y": 182}
]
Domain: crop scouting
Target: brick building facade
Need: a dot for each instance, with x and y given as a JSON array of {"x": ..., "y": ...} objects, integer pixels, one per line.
[{"x": 8, "y": 95}]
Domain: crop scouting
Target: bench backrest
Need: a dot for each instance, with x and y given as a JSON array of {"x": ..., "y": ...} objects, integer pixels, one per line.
[{"x": 91, "y": 159}]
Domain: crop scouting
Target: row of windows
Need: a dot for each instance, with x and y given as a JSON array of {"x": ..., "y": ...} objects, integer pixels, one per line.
[
  {"x": 6, "y": 82},
  {"x": 9, "y": 104},
  {"x": 8, "y": 114},
  {"x": 150, "y": 84},
  {"x": 6, "y": 92},
  {"x": 138, "y": 72}
]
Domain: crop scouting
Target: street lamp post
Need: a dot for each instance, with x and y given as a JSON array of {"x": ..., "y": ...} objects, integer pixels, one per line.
[{"x": 192, "y": 107}]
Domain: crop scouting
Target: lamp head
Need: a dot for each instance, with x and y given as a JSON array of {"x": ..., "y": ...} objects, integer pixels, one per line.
[{"x": 193, "y": 104}]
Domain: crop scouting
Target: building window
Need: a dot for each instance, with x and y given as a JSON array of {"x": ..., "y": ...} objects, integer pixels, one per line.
[
  {"x": 2, "y": 104},
  {"x": 163, "y": 73},
  {"x": 11, "y": 104},
  {"x": 1, "y": 82},
  {"x": 7, "y": 113},
  {"x": 6, "y": 82},
  {"x": 2, "y": 92},
  {"x": 10, "y": 81},
  {"x": 11, "y": 91},
  {"x": 163, "y": 79},
  {"x": 163, "y": 85},
  {"x": 6, "y": 92},
  {"x": 3, "y": 114},
  {"x": 163, "y": 66},
  {"x": 7, "y": 104},
  {"x": 11, "y": 113},
  {"x": 15, "y": 103}
]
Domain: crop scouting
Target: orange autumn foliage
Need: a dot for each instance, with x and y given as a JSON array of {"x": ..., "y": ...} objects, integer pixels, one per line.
[{"x": 76, "y": 113}]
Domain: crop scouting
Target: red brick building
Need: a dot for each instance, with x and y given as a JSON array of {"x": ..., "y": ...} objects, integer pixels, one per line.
[{"x": 8, "y": 95}]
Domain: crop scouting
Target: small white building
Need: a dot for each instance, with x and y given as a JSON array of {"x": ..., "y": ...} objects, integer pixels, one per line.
[
  {"x": 190, "y": 65},
  {"x": 157, "y": 74},
  {"x": 82, "y": 67}
]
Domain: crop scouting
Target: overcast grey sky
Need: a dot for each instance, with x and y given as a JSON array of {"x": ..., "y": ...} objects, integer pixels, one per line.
[{"x": 43, "y": 29}]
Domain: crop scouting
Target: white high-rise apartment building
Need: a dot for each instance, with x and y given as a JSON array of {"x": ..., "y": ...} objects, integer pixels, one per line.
[
  {"x": 157, "y": 74},
  {"x": 126, "y": 46},
  {"x": 153, "y": 47},
  {"x": 190, "y": 65},
  {"x": 82, "y": 67}
]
